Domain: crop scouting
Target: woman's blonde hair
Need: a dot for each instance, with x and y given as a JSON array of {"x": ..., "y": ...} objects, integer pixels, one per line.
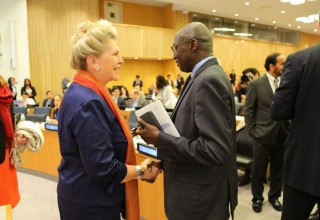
[
  {"x": 90, "y": 39},
  {"x": 3, "y": 81}
]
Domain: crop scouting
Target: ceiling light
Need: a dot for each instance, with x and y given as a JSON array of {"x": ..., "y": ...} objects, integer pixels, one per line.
[
  {"x": 224, "y": 29},
  {"x": 309, "y": 19},
  {"x": 135, "y": 58},
  {"x": 299, "y": 27},
  {"x": 297, "y": 2},
  {"x": 294, "y": 2},
  {"x": 236, "y": 15},
  {"x": 289, "y": 25},
  {"x": 195, "y": 15},
  {"x": 315, "y": 30},
  {"x": 274, "y": 22},
  {"x": 314, "y": 17},
  {"x": 282, "y": 12},
  {"x": 256, "y": 19},
  {"x": 214, "y": 10},
  {"x": 242, "y": 34},
  {"x": 247, "y": 3}
]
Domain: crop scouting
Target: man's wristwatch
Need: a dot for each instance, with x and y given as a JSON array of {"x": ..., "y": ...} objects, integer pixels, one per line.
[{"x": 140, "y": 172}]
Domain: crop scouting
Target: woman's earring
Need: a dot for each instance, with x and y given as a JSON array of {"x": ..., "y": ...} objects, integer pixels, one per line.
[{"x": 97, "y": 67}]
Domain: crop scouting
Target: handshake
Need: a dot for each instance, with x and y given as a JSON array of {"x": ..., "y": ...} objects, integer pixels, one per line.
[{"x": 150, "y": 170}]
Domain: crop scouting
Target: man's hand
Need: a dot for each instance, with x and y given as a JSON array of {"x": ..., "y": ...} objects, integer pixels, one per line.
[
  {"x": 150, "y": 172},
  {"x": 148, "y": 132}
]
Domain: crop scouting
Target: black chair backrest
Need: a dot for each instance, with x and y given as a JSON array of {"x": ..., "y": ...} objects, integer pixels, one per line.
[
  {"x": 42, "y": 111},
  {"x": 20, "y": 110}
]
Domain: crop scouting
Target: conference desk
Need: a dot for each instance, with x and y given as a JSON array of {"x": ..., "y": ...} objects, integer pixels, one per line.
[{"x": 46, "y": 161}]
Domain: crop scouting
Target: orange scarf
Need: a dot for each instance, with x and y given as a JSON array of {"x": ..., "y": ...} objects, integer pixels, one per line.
[{"x": 131, "y": 188}]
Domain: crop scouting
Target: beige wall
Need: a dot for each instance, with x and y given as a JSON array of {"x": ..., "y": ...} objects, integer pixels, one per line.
[{"x": 52, "y": 23}]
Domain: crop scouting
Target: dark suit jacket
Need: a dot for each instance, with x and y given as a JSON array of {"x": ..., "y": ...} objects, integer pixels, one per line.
[
  {"x": 260, "y": 125},
  {"x": 45, "y": 102},
  {"x": 121, "y": 102},
  {"x": 200, "y": 176},
  {"x": 297, "y": 98},
  {"x": 141, "y": 103}
]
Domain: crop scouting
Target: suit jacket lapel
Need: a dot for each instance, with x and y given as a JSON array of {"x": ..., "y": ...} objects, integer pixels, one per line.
[
  {"x": 267, "y": 86},
  {"x": 210, "y": 62}
]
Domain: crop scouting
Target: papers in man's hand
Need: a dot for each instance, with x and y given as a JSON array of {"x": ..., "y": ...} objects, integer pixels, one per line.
[{"x": 161, "y": 115}]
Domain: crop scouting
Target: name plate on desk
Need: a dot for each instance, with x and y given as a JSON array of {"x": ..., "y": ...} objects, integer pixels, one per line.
[
  {"x": 51, "y": 127},
  {"x": 147, "y": 150}
]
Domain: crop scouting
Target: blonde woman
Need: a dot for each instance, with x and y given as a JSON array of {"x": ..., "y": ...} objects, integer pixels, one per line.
[{"x": 98, "y": 172}]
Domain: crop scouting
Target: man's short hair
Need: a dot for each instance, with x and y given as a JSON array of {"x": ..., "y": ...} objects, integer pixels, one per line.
[{"x": 271, "y": 59}]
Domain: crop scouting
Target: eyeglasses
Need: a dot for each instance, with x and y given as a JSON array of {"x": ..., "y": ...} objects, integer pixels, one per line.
[{"x": 174, "y": 48}]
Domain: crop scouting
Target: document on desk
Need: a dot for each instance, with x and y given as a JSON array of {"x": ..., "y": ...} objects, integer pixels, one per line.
[{"x": 161, "y": 115}]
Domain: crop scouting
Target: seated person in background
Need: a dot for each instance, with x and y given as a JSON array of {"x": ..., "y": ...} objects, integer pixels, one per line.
[
  {"x": 57, "y": 104},
  {"x": 165, "y": 93},
  {"x": 135, "y": 100},
  {"x": 26, "y": 100},
  {"x": 48, "y": 102},
  {"x": 124, "y": 92},
  {"x": 121, "y": 102},
  {"x": 141, "y": 93}
]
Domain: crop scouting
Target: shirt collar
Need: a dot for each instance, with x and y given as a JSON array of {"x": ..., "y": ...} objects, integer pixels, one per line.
[{"x": 199, "y": 64}]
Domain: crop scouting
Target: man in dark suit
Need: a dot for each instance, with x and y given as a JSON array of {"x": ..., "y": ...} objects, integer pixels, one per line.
[
  {"x": 137, "y": 82},
  {"x": 297, "y": 98},
  {"x": 119, "y": 100},
  {"x": 268, "y": 135},
  {"x": 48, "y": 101},
  {"x": 135, "y": 101},
  {"x": 200, "y": 177}
]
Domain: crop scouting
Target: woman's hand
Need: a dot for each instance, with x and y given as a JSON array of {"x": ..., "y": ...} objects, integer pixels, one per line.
[
  {"x": 150, "y": 172},
  {"x": 21, "y": 139}
]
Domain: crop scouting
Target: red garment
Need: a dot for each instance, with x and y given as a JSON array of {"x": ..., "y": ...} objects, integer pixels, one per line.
[
  {"x": 9, "y": 193},
  {"x": 131, "y": 188}
]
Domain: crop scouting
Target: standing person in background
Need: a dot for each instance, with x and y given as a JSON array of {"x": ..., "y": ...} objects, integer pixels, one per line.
[
  {"x": 12, "y": 85},
  {"x": 9, "y": 192},
  {"x": 179, "y": 83},
  {"x": 165, "y": 93},
  {"x": 57, "y": 104},
  {"x": 98, "y": 172},
  {"x": 137, "y": 82},
  {"x": 65, "y": 83},
  {"x": 297, "y": 99},
  {"x": 169, "y": 80},
  {"x": 268, "y": 135},
  {"x": 29, "y": 89},
  {"x": 200, "y": 175},
  {"x": 232, "y": 77},
  {"x": 48, "y": 101}
]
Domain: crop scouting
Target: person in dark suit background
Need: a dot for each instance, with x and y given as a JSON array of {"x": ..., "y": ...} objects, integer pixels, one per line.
[
  {"x": 12, "y": 85},
  {"x": 297, "y": 98},
  {"x": 121, "y": 102},
  {"x": 48, "y": 101},
  {"x": 200, "y": 166},
  {"x": 268, "y": 135},
  {"x": 137, "y": 82},
  {"x": 135, "y": 101}
]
